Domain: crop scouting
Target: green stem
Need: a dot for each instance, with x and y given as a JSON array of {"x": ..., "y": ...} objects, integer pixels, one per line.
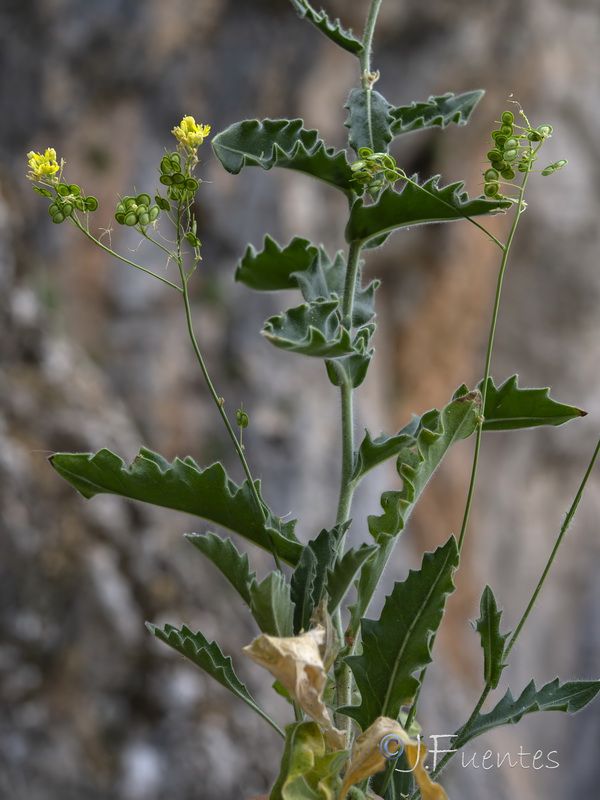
[
  {"x": 564, "y": 527},
  {"x": 367, "y": 42},
  {"x": 216, "y": 398},
  {"x": 488, "y": 357},
  {"x": 78, "y": 224}
]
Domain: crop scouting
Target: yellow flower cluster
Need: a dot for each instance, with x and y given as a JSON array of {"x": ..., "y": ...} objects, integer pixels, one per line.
[
  {"x": 189, "y": 134},
  {"x": 43, "y": 166}
]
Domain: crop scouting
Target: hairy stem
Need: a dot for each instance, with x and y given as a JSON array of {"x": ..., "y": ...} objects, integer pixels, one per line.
[{"x": 367, "y": 41}]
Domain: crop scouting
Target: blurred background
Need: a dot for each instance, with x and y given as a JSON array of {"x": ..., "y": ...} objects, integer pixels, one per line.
[{"x": 94, "y": 354}]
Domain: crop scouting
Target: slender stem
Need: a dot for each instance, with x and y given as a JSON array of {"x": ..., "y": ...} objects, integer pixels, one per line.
[
  {"x": 346, "y": 485},
  {"x": 564, "y": 527},
  {"x": 488, "y": 357},
  {"x": 122, "y": 258},
  {"x": 367, "y": 41}
]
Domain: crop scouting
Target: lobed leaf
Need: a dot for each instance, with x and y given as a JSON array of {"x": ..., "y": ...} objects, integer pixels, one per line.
[
  {"x": 210, "y": 658},
  {"x": 227, "y": 558},
  {"x": 281, "y": 143},
  {"x": 570, "y": 697},
  {"x": 414, "y": 205},
  {"x": 183, "y": 486},
  {"x": 492, "y": 641},
  {"x": 439, "y": 430},
  {"x": 302, "y": 265},
  {"x": 399, "y": 643},
  {"x": 438, "y": 111},
  {"x": 308, "y": 581},
  {"x": 312, "y": 329},
  {"x": 509, "y": 408},
  {"x": 333, "y": 30}
]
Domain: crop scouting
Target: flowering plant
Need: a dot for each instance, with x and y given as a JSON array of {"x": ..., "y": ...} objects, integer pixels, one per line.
[{"x": 352, "y": 682}]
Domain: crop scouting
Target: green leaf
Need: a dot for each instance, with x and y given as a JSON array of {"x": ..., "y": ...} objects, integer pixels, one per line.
[
  {"x": 350, "y": 370},
  {"x": 340, "y": 577},
  {"x": 302, "y": 265},
  {"x": 271, "y": 605},
  {"x": 312, "y": 329},
  {"x": 272, "y": 268},
  {"x": 399, "y": 643},
  {"x": 570, "y": 697},
  {"x": 375, "y": 451},
  {"x": 369, "y": 120},
  {"x": 509, "y": 408},
  {"x": 307, "y": 771},
  {"x": 416, "y": 204},
  {"x": 281, "y": 143},
  {"x": 439, "y": 111},
  {"x": 183, "y": 486},
  {"x": 439, "y": 430},
  {"x": 310, "y": 576},
  {"x": 225, "y": 555},
  {"x": 210, "y": 658},
  {"x": 333, "y": 30},
  {"x": 492, "y": 641}
]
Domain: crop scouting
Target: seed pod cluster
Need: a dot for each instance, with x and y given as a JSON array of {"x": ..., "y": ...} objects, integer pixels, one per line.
[
  {"x": 137, "y": 210},
  {"x": 68, "y": 198},
  {"x": 374, "y": 170},
  {"x": 180, "y": 186}
]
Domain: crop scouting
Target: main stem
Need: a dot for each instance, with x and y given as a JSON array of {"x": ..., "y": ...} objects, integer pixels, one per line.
[{"x": 367, "y": 42}]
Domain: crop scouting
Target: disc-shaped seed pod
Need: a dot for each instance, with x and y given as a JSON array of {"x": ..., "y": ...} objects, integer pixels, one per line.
[
  {"x": 490, "y": 175},
  {"x": 191, "y": 185},
  {"x": 507, "y": 130},
  {"x": 130, "y": 219},
  {"x": 508, "y": 174},
  {"x": 91, "y": 203},
  {"x": 63, "y": 189},
  {"x": 510, "y": 155},
  {"x": 153, "y": 211},
  {"x": 491, "y": 189},
  {"x": 508, "y": 117}
]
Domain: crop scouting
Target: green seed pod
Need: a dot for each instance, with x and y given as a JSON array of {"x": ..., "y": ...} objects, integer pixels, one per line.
[
  {"x": 391, "y": 176},
  {"x": 241, "y": 418},
  {"x": 79, "y": 204},
  {"x": 74, "y": 189},
  {"x": 130, "y": 219},
  {"x": 490, "y": 175},
  {"x": 500, "y": 140},
  {"x": 191, "y": 185},
  {"x": 173, "y": 193},
  {"x": 53, "y": 209},
  {"x": 508, "y": 117},
  {"x": 63, "y": 189},
  {"x": 357, "y": 165},
  {"x": 176, "y": 159},
  {"x": 364, "y": 152},
  {"x": 43, "y": 192},
  {"x": 507, "y": 130},
  {"x": 91, "y": 203},
  {"x": 508, "y": 174},
  {"x": 511, "y": 143},
  {"x": 165, "y": 165},
  {"x": 178, "y": 178},
  {"x": 491, "y": 189},
  {"x": 166, "y": 180},
  {"x": 192, "y": 239},
  {"x": 153, "y": 211},
  {"x": 130, "y": 203},
  {"x": 388, "y": 162},
  {"x": 510, "y": 155},
  {"x": 144, "y": 218},
  {"x": 58, "y": 218},
  {"x": 67, "y": 209},
  {"x": 495, "y": 134},
  {"x": 143, "y": 199},
  {"x": 120, "y": 209},
  {"x": 522, "y": 166},
  {"x": 545, "y": 130},
  {"x": 494, "y": 155},
  {"x": 120, "y": 217}
]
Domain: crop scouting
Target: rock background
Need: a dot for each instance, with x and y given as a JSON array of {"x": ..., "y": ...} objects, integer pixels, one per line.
[{"x": 95, "y": 355}]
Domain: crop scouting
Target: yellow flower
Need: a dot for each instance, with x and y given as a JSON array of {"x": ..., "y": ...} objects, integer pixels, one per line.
[
  {"x": 189, "y": 134},
  {"x": 43, "y": 166}
]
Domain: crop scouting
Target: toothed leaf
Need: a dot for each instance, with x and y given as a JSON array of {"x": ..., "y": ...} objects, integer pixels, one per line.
[
  {"x": 210, "y": 658},
  {"x": 399, "y": 643},
  {"x": 343, "y": 573},
  {"x": 312, "y": 329},
  {"x": 225, "y": 555},
  {"x": 509, "y": 408},
  {"x": 183, "y": 486},
  {"x": 281, "y": 143},
  {"x": 492, "y": 641},
  {"x": 368, "y": 120},
  {"x": 439, "y": 111},
  {"x": 416, "y": 204},
  {"x": 333, "y": 30},
  {"x": 271, "y": 605}
]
